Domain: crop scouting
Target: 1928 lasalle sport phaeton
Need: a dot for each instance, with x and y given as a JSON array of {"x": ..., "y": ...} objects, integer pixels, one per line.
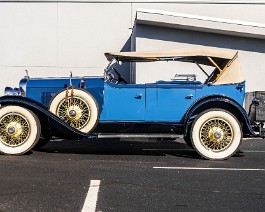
[{"x": 209, "y": 115}]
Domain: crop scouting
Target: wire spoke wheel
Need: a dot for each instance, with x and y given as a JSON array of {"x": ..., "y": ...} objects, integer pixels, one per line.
[
  {"x": 79, "y": 110},
  {"x": 216, "y": 134},
  {"x": 14, "y": 129},
  {"x": 20, "y": 130},
  {"x": 74, "y": 111}
]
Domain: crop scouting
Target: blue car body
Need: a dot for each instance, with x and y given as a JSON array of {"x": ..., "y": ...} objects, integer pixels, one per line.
[{"x": 153, "y": 102}]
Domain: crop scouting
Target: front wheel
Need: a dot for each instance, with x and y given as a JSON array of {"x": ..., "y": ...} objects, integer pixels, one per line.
[
  {"x": 19, "y": 130},
  {"x": 216, "y": 134}
]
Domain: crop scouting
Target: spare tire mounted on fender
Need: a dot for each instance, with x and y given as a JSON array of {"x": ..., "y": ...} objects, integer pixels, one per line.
[{"x": 77, "y": 108}]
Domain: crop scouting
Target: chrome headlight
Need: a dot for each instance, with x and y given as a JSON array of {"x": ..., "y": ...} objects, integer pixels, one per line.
[
  {"x": 12, "y": 92},
  {"x": 21, "y": 91}
]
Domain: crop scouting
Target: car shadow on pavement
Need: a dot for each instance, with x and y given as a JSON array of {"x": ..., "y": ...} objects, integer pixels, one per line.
[{"x": 122, "y": 147}]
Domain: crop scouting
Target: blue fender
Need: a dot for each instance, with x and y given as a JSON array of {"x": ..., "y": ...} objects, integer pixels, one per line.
[
  {"x": 218, "y": 101},
  {"x": 58, "y": 126}
]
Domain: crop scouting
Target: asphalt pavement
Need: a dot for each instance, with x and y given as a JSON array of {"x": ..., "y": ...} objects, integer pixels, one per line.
[{"x": 133, "y": 176}]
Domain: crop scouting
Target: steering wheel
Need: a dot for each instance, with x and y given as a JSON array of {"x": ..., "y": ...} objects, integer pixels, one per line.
[
  {"x": 111, "y": 78},
  {"x": 121, "y": 79}
]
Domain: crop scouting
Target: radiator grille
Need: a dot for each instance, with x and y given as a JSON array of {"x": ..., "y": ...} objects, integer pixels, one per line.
[{"x": 46, "y": 97}]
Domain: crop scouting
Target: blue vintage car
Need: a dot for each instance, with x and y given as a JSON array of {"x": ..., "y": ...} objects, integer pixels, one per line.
[{"x": 208, "y": 115}]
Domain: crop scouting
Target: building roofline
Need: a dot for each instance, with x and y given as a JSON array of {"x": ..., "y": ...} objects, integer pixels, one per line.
[
  {"x": 200, "y": 23},
  {"x": 145, "y": 1}
]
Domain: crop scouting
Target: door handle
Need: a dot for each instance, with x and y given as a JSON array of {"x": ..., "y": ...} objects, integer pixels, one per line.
[
  {"x": 190, "y": 96},
  {"x": 138, "y": 96}
]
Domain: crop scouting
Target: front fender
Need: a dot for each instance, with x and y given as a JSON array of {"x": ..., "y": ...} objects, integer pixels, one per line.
[
  {"x": 60, "y": 128},
  {"x": 218, "y": 102}
]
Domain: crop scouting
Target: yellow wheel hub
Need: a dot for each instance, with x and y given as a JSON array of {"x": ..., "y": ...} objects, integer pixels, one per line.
[
  {"x": 216, "y": 134},
  {"x": 74, "y": 111},
  {"x": 14, "y": 129}
]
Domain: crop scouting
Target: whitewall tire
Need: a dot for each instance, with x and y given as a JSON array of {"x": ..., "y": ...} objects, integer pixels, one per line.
[
  {"x": 216, "y": 134},
  {"x": 79, "y": 110},
  {"x": 20, "y": 130}
]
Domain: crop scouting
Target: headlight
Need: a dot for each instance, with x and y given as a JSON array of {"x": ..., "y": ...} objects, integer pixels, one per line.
[
  {"x": 12, "y": 92},
  {"x": 21, "y": 91}
]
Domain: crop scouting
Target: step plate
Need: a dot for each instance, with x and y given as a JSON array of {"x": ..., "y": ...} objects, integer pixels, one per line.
[{"x": 109, "y": 135}]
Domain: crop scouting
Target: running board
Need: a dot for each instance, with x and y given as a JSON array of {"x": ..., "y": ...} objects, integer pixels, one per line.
[{"x": 124, "y": 135}]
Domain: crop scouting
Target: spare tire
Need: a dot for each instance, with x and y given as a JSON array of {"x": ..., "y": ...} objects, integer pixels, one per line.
[{"x": 77, "y": 108}]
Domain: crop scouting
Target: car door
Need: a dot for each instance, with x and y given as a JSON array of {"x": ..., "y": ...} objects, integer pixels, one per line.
[
  {"x": 168, "y": 102},
  {"x": 123, "y": 102}
]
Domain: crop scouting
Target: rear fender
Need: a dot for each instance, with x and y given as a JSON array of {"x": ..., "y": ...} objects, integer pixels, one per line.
[
  {"x": 48, "y": 120},
  {"x": 222, "y": 102}
]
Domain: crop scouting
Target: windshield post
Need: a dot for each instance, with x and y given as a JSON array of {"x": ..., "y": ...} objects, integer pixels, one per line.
[{"x": 112, "y": 62}]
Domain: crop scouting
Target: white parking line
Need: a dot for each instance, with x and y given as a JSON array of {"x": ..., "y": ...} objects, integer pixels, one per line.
[
  {"x": 198, "y": 168},
  {"x": 253, "y": 151},
  {"x": 92, "y": 197},
  {"x": 192, "y": 150}
]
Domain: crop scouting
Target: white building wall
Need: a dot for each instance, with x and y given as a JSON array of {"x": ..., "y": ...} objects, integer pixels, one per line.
[{"x": 52, "y": 38}]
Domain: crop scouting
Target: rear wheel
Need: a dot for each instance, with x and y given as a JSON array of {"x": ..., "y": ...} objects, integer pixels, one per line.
[
  {"x": 19, "y": 130},
  {"x": 216, "y": 134}
]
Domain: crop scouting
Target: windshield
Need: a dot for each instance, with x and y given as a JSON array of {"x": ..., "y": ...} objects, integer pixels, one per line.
[{"x": 112, "y": 73}]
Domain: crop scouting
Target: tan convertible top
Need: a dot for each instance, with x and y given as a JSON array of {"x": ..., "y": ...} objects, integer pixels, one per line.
[
  {"x": 184, "y": 52},
  {"x": 226, "y": 62}
]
